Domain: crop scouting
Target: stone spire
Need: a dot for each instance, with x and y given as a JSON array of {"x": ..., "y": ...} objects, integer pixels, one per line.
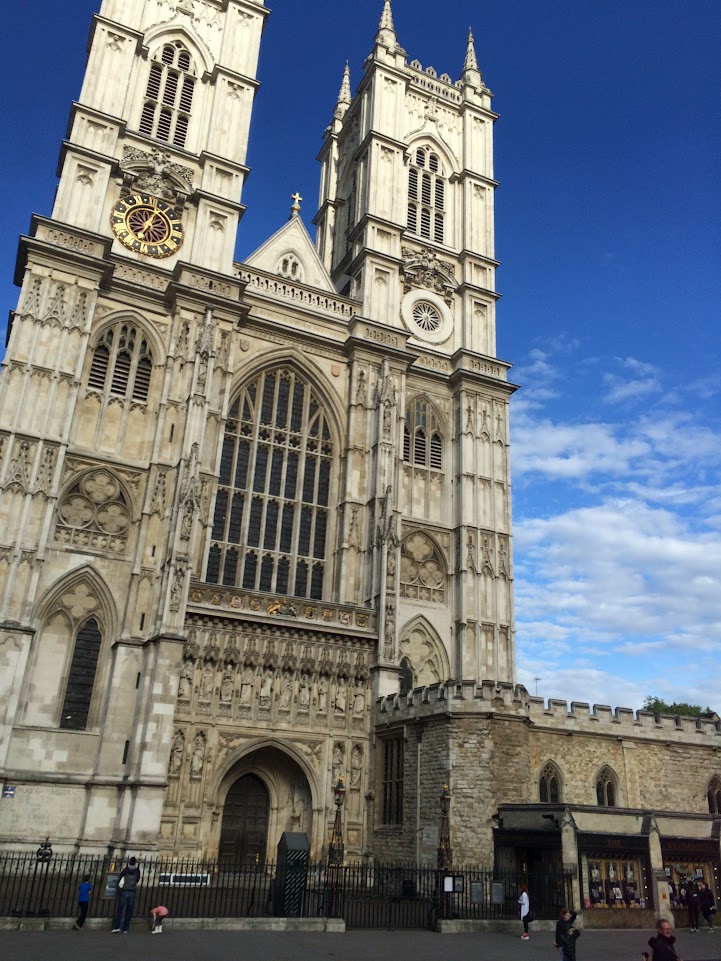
[
  {"x": 471, "y": 74},
  {"x": 344, "y": 94},
  {"x": 386, "y": 31}
]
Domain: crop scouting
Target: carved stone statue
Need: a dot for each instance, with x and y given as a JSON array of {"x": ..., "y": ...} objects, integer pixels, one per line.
[
  {"x": 322, "y": 695},
  {"x": 246, "y": 687},
  {"x": 266, "y": 688},
  {"x": 338, "y": 758},
  {"x": 206, "y": 684},
  {"x": 226, "y": 687},
  {"x": 198, "y": 757},
  {"x": 176, "y": 753},
  {"x": 340, "y": 696},
  {"x": 356, "y": 765},
  {"x": 359, "y": 700},
  {"x": 185, "y": 685},
  {"x": 286, "y": 693},
  {"x": 304, "y": 693}
]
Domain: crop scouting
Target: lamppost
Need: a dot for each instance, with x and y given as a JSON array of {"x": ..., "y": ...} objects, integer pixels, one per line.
[
  {"x": 336, "y": 848},
  {"x": 445, "y": 852}
]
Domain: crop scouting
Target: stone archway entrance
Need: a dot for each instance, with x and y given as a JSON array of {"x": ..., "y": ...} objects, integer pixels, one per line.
[
  {"x": 244, "y": 832},
  {"x": 264, "y": 794}
]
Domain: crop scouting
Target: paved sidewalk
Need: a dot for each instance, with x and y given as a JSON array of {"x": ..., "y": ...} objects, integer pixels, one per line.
[{"x": 374, "y": 945}]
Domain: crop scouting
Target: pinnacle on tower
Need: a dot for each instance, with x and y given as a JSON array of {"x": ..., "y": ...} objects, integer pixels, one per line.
[
  {"x": 344, "y": 95},
  {"x": 471, "y": 74},
  {"x": 386, "y": 31}
]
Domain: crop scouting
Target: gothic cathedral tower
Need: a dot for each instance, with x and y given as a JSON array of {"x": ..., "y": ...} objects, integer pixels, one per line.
[{"x": 242, "y": 501}]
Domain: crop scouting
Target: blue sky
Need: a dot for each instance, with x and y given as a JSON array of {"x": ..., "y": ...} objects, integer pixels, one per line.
[{"x": 608, "y": 219}]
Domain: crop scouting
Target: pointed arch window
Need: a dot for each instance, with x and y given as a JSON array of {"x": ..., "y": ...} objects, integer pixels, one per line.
[
  {"x": 549, "y": 785},
  {"x": 271, "y": 520},
  {"x": 169, "y": 95},
  {"x": 422, "y": 438},
  {"x": 606, "y": 788},
  {"x": 81, "y": 679},
  {"x": 122, "y": 363},
  {"x": 714, "y": 796},
  {"x": 426, "y": 196}
]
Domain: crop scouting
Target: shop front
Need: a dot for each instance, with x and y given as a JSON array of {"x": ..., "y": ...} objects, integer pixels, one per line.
[
  {"x": 686, "y": 862},
  {"x": 614, "y": 872}
]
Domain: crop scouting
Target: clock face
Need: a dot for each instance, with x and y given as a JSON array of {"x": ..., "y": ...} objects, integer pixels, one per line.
[{"x": 147, "y": 225}]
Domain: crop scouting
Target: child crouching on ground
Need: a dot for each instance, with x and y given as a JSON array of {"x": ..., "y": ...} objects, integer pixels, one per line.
[{"x": 158, "y": 915}]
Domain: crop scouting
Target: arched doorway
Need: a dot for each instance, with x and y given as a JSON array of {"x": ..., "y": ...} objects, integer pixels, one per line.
[{"x": 244, "y": 833}]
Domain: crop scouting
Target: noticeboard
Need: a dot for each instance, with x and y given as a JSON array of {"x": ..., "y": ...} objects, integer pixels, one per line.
[
  {"x": 497, "y": 892},
  {"x": 110, "y": 888}
]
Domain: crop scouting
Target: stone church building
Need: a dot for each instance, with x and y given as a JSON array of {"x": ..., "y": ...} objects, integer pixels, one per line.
[{"x": 256, "y": 517}]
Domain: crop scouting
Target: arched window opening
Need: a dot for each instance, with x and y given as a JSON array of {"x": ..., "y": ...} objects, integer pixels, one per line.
[
  {"x": 426, "y": 196},
  {"x": 122, "y": 363},
  {"x": 549, "y": 790},
  {"x": 405, "y": 676},
  {"x": 714, "y": 796},
  {"x": 422, "y": 421},
  {"x": 274, "y": 490},
  {"x": 169, "y": 96},
  {"x": 81, "y": 679},
  {"x": 606, "y": 788}
]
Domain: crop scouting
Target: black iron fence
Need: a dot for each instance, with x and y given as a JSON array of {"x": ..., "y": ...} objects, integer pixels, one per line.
[{"x": 364, "y": 894}]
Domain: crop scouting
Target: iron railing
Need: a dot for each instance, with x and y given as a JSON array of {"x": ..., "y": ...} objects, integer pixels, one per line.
[{"x": 365, "y": 894}]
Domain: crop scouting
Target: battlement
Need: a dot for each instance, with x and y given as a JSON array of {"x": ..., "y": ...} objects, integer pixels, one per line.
[{"x": 508, "y": 700}]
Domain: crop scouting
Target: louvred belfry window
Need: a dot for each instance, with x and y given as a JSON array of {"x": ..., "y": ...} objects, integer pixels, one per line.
[
  {"x": 122, "y": 364},
  {"x": 169, "y": 95},
  {"x": 426, "y": 196},
  {"x": 270, "y": 527},
  {"x": 422, "y": 440}
]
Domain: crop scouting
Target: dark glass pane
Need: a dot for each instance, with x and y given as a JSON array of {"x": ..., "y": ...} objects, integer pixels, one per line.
[
  {"x": 316, "y": 582},
  {"x": 261, "y": 466},
  {"x": 309, "y": 480},
  {"x": 291, "y": 475},
  {"x": 241, "y": 469},
  {"x": 324, "y": 483},
  {"x": 226, "y": 459},
  {"x": 276, "y": 472},
  {"x": 543, "y": 792},
  {"x": 286, "y": 528},
  {"x": 296, "y": 420},
  {"x": 251, "y": 563},
  {"x": 281, "y": 584},
  {"x": 271, "y": 525},
  {"x": 611, "y": 794},
  {"x": 230, "y": 571},
  {"x": 554, "y": 790},
  {"x": 266, "y": 413},
  {"x": 266, "y": 574},
  {"x": 233, "y": 412},
  {"x": 281, "y": 411},
  {"x": 256, "y": 513},
  {"x": 600, "y": 796},
  {"x": 319, "y": 539},
  {"x": 221, "y": 509},
  {"x": 301, "y": 580},
  {"x": 306, "y": 519},
  {"x": 213, "y": 565},
  {"x": 236, "y": 517},
  {"x": 81, "y": 679}
]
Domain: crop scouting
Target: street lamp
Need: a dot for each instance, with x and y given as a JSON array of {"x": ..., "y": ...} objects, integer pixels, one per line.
[{"x": 336, "y": 850}]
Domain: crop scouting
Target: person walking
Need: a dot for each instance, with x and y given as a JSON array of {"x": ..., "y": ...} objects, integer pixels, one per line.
[
  {"x": 693, "y": 901},
  {"x": 524, "y": 908},
  {"x": 565, "y": 920},
  {"x": 662, "y": 944},
  {"x": 127, "y": 885},
  {"x": 158, "y": 915},
  {"x": 84, "y": 889},
  {"x": 568, "y": 943},
  {"x": 706, "y": 903}
]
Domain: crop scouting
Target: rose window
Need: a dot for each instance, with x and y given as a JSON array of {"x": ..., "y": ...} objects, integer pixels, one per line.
[
  {"x": 94, "y": 513},
  {"x": 422, "y": 570},
  {"x": 426, "y": 316}
]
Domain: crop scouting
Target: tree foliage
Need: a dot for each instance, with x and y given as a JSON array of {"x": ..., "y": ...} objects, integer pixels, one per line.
[{"x": 658, "y": 706}]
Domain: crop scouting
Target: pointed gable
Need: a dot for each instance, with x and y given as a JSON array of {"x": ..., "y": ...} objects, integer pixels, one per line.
[{"x": 290, "y": 253}]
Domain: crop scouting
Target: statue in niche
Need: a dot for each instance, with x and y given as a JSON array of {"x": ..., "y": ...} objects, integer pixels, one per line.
[
  {"x": 198, "y": 757},
  {"x": 337, "y": 761},
  {"x": 246, "y": 686},
  {"x": 297, "y": 805},
  {"x": 356, "y": 765},
  {"x": 359, "y": 700},
  {"x": 304, "y": 693},
  {"x": 185, "y": 685},
  {"x": 206, "y": 684},
  {"x": 340, "y": 696},
  {"x": 286, "y": 693},
  {"x": 322, "y": 695},
  {"x": 266, "y": 688},
  {"x": 226, "y": 687},
  {"x": 176, "y": 753}
]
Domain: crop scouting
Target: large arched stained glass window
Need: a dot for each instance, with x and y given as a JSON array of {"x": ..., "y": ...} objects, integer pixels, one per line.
[{"x": 271, "y": 513}]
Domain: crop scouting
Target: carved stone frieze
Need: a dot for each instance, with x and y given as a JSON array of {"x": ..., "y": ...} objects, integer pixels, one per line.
[
  {"x": 155, "y": 172},
  {"x": 422, "y": 268}
]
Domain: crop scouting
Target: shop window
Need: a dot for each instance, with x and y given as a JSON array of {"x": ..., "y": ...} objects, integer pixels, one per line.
[
  {"x": 714, "y": 796},
  {"x": 393, "y": 780},
  {"x": 549, "y": 784},
  {"x": 614, "y": 882},
  {"x": 271, "y": 521},
  {"x": 606, "y": 788}
]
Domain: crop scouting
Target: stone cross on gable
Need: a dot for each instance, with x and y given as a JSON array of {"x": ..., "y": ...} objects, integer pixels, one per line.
[{"x": 295, "y": 209}]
